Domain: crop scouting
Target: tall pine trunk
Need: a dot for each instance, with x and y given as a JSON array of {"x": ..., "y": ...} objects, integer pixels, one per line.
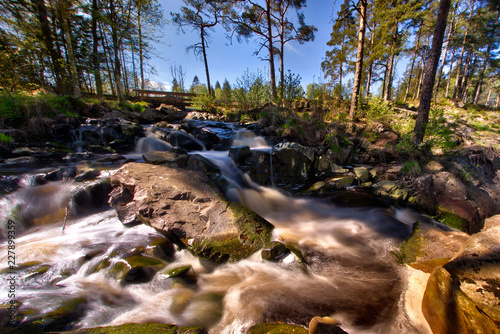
[
  {"x": 447, "y": 94},
  {"x": 41, "y": 11},
  {"x": 204, "y": 51},
  {"x": 445, "y": 53},
  {"x": 359, "y": 59},
  {"x": 271, "y": 50},
  {"x": 141, "y": 51},
  {"x": 430, "y": 73},
  {"x": 95, "y": 51},
  {"x": 389, "y": 70},
  {"x": 116, "y": 52},
  {"x": 460, "y": 60},
  {"x": 370, "y": 65},
  {"x": 75, "y": 82},
  {"x": 415, "y": 52}
]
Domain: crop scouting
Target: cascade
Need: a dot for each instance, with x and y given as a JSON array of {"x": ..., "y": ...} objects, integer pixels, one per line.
[{"x": 345, "y": 268}]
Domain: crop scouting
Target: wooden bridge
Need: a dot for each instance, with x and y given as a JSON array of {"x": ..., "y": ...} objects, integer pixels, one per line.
[{"x": 181, "y": 100}]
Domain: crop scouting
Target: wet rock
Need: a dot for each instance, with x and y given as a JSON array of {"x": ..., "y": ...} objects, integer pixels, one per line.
[
  {"x": 325, "y": 325},
  {"x": 362, "y": 174},
  {"x": 340, "y": 182},
  {"x": 90, "y": 195},
  {"x": 240, "y": 153},
  {"x": 160, "y": 157},
  {"x": 137, "y": 328},
  {"x": 274, "y": 250},
  {"x": 327, "y": 165},
  {"x": 87, "y": 175},
  {"x": 184, "y": 141},
  {"x": 463, "y": 296},
  {"x": 277, "y": 329},
  {"x": 190, "y": 209},
  {"x": 136, "y": 269},
  {"x": 175, "y": 270},
  {"x": 429, "y": 247},
  {"x": 294, "y": 163}
]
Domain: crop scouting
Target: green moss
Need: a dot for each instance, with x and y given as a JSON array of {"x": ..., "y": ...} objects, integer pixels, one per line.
[
  {"x": 451, "y": 219},
  {"x": 277, "y": 329},
  {"x": 255, "y": 232},
  {"x": 130, "y": 329},
  {"x": 412, "y": 248}
]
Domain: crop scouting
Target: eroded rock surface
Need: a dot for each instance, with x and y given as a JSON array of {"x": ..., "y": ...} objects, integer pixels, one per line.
[{"x": 191, "y": 210}]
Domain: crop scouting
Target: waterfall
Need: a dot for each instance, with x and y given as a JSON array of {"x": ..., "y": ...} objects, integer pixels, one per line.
[{"x": 339, "y": 264}]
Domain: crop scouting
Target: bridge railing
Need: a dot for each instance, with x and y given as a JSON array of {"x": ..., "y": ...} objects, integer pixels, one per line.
[{"x": 173, "y": 98}]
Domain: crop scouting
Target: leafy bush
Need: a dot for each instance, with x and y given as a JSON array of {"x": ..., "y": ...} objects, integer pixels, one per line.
[
  {"x": 205, "y": 102},
  {"x": 378, "y": 110},
  {"x": 5, "y": 138}
]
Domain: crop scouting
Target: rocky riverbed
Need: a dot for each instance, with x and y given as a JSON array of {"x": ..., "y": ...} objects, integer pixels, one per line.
[{"x": 184, "y": 195}]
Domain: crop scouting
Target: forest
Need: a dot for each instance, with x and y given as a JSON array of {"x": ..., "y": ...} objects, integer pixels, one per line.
[{"x": 101, "y": 47}]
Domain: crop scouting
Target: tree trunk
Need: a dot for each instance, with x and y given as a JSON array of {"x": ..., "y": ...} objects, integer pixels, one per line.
[
  {"x": 447, "y": 94},
  {"x": 271, "y": 51},
  {"x": 463, "y": 82},
  {"x": 417, "y": 44},
  {"x": 203, "y": 48},
  {"x": 422, "y": 71},
  {"x": 141, "y": 51},
  {"x": 445, "y": 53},
  {"x": 370, "y": 65},
  {"x": 75, "y": 82},
  {"x": 497, "y": 101},
  {"x": 107, "y": 57},
  {"x": 359, "y": 60},
  {"x": 116, "y": 52},
  {"x": 430, "y": 73},
  {"x": 460, "y": 60},
  {"x": 41, "y": 11},
  {"x": 95, "y": 50},
  {"x": 389, "y": 70},
  {"x": 125, "y": 73},
  {"x": 489, "y": 95}
]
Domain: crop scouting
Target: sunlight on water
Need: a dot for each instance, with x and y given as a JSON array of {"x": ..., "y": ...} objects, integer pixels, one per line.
[{"x": 340, "y": 266}]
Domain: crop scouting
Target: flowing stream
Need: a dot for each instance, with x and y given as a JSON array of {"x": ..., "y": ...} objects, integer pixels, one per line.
[{"x": 345, "y": 268}]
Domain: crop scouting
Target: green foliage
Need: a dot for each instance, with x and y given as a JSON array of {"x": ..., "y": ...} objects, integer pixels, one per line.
[
  {"x": 291, "y": 86},
  {"x": 4, "y": 138},
  {"x": 205, "y": 102},
  {"x": 378, "y": 110},
  {"x": 411, "y": 167},
  {"x": 439, "y": 131},
  {"x": 251, "y": 91}
]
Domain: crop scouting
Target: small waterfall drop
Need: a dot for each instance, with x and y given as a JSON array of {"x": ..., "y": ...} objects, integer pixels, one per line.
[{"x": 147, "y": 144}]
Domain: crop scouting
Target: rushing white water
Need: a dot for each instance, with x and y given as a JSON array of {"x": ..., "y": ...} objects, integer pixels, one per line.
[{"x": 343, "y": 268}]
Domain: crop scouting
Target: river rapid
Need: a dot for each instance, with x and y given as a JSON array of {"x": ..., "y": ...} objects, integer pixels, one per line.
[{"x": 344, "y": 266}]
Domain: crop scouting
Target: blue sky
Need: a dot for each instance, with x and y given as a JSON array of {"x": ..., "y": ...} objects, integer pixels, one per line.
[{"x": 230, "y": 61}]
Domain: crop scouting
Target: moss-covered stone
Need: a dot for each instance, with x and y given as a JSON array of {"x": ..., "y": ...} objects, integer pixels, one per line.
[
  {"x": 277, "y": 328},
  {"x": 429, "y": 247},
  {"x": 175, "y": 271},
  {"x": 451, "y": 219},
  {"x": 130, "y": 329},
  {"x": 254, "y": 233}
]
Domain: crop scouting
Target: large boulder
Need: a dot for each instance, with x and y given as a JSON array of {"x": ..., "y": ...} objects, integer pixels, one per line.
[
  {"x": 189, "y": 209},
  {"x": 429, "y": 247},
  {"x": 463, "y": 296}
]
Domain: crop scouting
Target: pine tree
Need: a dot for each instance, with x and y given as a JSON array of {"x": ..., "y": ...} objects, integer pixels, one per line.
[{"x": 430, "y": 73}]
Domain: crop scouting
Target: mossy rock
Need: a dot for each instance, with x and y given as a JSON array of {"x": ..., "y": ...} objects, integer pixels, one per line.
[
  {"x": 254, "y": 233},
  {"x": 273, "y": 250},
  {"x": 453, "y": 220},
  {"x": 63, "y": 318},
  {"x": 266, "y": 328},
  {"x": 130, "y": 329},
  {"x": 175, "y": 271},
  {"x": 136, "y": 269}
]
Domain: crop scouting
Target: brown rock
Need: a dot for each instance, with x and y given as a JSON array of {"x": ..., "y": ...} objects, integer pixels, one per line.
[
  {"x": 463, "y": 296},
  {"x": 191, "y": 210},
  {"x": 325, "y": 325}
]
